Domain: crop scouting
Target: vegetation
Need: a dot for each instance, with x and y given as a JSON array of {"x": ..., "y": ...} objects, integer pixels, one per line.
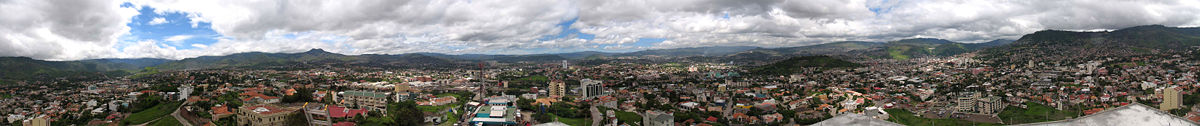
[
  {"x": 166, "y": 121},
  {"x": 1034, "y": 113},
  {"x": 152, "y": 113},
  {"x": 623, "y": 116},
  {"x": 573, "y": 121},
  {"x": 908, "y": 118},
  {"x": 795, "y": 64}
]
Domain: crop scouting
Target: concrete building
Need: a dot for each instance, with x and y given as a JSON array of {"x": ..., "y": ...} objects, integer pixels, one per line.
[
  {"x": 264, "y": 115},
  {"x": 557, "y": 88},
  {"x": 591, "y": 88},
  {"x": 366, "y": 99},
  {"x": 37, "y": 121},
  {"x": 656, "y": 118},
  {"x": 185, "y": 91},
  {"x": 974, "y": 102},
  {"x": 1171, "y": 99},
  {"x": 496, "y": 112}
]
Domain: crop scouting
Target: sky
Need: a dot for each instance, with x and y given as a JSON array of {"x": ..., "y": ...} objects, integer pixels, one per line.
[{"x": 61, "y": 30}]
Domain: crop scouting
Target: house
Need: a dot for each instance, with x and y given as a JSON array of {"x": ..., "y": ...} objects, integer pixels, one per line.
[
  {"x": 254, "y": 97},
  {"x": 264, "y": 115},
  {"x": 656, "y": 118}
]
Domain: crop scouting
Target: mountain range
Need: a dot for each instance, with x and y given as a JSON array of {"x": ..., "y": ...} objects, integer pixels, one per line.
[{"x": 1151, "y": 37}]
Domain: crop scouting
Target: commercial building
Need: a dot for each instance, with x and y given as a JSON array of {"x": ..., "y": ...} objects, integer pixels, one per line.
[
  {"x": 591, "y": 88},
  {"x": 974, "y": 102},
  {"x": 367, "y": 99},
  {"x": 497, "y": 112}
]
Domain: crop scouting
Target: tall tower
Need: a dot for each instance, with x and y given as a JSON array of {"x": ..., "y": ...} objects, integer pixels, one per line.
[{"x": 564, "y": 64}]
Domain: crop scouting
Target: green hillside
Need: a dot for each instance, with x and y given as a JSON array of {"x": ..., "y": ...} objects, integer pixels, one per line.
[{"x": 796, "y": 64}]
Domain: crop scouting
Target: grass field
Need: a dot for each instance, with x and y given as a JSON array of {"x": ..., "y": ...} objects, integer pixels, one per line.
[
  {"x": 908, "y": 118},
  {"x": 152, "y": 113},
  {"x": 627, "y": 117},
  {"x": 574, "y": 121},
  {"x": 166, "y": 121},
  {"x": 1035, "y": 113}
]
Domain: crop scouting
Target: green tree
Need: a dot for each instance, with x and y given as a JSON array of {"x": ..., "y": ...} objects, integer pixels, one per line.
[{"x": 406, "y": 113}]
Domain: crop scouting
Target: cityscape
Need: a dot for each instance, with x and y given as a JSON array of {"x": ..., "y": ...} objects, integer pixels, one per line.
[{"x": 599, "y": 63}]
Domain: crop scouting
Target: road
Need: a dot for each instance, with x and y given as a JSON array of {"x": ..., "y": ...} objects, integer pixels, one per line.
[
  {"x": 180, "y": 118},
  {"x": 597, "y": 117}
]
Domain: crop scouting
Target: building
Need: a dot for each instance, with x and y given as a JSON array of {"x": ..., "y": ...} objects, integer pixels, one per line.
[
  {"x": 557, "y": 88},
  {"x": 37, "y": 121},
  {"x": 252, "y": 97},
  {"x": 656, "y": 118},
  {"x": 1171, "y": 99},
  {"x": 323, "y": 115},
  {"x": 591, "y": 88},
  {"x": 367, "y": 99},
  {"x": 264, "y": 115},
  {"x": 974, "y": 102},
  {"x": 438, "y": 101},
  {"x": 497, "y": 111},
  {"x": 564, "y": 65},
  {"x": 185, "y": 91}
]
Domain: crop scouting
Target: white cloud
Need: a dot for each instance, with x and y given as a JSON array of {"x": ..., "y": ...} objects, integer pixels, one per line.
[
  {"x": 178, "y": 38},
  {"x": 82, "y": 30},
  {"x": 199, "y": 45},
  {"x": 157, "y": 20}
]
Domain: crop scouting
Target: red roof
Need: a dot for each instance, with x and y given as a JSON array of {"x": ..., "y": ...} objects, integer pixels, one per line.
[
  {"x": 217, "y": 110},
  {"x": 711, "y": 119},
  {"x": 344, "y": 124},
  {"x": 340, "y": 112}
]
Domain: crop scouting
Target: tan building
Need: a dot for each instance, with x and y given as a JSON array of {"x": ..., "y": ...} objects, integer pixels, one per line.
[
  {"x": 1171, "y": 99},
  {"x": 264, "y": 115},
  {"x": 557, "y": 88},
  {"x": 37, "y": 121},
  {"x": 367, "y": 99},
  {"x": 975, "y": 102}
]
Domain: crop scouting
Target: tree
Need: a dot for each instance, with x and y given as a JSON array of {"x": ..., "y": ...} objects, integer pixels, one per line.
[
  {"x": 525, "y": 104},
  {"x": 301, "y": 95},
  {"x": 406, "y": 113}
]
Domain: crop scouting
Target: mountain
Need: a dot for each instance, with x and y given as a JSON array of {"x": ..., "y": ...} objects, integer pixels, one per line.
[
  {"x": 1058, "y": 45},
  {"x": 23, "y": 68},
  {"x": 797, "y": 64},
  {"x": 311, "y": 58}
]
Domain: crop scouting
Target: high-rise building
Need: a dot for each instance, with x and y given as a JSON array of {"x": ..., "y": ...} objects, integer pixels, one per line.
[
  {"x": 591, "y": 88},
  {"x": 564, "y": 64},
  {"x": 1171, "y": 99},
  {"x": 557, "y": 88}
]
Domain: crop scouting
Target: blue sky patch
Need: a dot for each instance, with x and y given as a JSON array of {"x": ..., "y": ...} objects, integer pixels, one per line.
[{"x": 173, "y": 29}]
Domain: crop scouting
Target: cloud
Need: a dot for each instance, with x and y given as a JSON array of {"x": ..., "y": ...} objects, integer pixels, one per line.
[
  {"x": 158, "y": 20},
  {"x": 178, "y": 38},
  {"x": 59, "y": 30},
  {"x": 199, "y": 45}
]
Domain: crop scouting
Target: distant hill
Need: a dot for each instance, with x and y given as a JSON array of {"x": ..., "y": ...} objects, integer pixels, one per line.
[
  {"x": 1057, "y": 44},
  {"x": 23, "y": 68},
  {"x": 796, "y": 64},
  {"x": 311, "y": 58}
]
